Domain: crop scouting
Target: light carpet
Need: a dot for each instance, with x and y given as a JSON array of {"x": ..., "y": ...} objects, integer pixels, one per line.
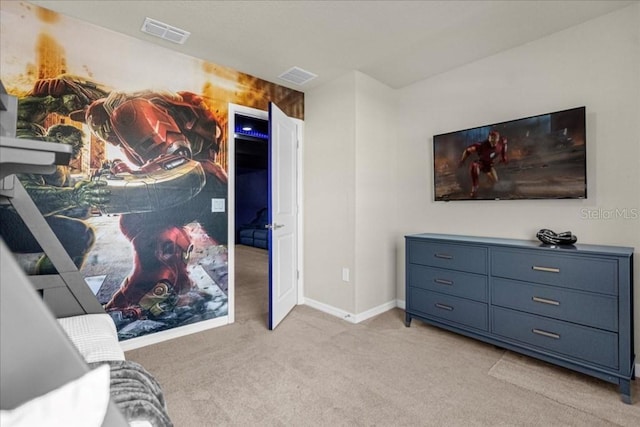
[
  {"x": 319, "y": 370},
  {"x": 570, "y": 388}
]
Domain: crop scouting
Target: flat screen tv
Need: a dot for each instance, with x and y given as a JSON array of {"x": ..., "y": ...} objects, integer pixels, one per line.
[{"x": 538, "y": 157}]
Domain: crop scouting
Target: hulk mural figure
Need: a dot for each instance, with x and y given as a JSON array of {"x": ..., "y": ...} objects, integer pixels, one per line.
[
  {"x": 62, "y": 96},
  {"x": 63, "y": 204}
]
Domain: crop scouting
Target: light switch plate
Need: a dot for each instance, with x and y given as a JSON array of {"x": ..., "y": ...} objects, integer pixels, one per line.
[{"x": 217, "y": 205}]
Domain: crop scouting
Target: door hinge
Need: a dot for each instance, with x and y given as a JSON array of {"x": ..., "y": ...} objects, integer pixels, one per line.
[{"x": 298, "y": 274}]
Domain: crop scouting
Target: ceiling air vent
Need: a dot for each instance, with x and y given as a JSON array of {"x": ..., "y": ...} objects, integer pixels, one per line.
[
  {"x": 164, "y": 31},
  {"x": 297, "y": 76}
]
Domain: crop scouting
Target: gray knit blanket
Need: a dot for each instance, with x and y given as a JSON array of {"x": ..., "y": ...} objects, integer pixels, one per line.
[{"x": 136, "y": 393}]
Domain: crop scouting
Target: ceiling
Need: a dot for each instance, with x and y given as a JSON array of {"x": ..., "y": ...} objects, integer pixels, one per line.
[{"x": 396, "y": 42}]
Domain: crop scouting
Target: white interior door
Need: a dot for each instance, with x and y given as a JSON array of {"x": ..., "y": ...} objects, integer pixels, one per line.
[{"x": 283, "y": 209}]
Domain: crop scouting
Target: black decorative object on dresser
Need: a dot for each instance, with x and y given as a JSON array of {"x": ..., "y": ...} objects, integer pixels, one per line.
[{"x": 567, "y": 305}]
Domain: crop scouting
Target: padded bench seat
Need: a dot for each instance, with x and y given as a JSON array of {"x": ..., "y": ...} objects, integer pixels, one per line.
[{"x": 254, "y": 237}]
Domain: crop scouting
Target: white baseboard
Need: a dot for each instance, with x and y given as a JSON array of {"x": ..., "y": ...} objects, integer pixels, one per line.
[
  {"x": 350, "y": 317},
  {"x": 360, "y": 317},
  {"x": 143, "y": 341},
  {"x": 325, "y": 308}
]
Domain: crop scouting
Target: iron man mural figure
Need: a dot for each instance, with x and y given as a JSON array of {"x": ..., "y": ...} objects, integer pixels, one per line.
[
  {"x": 166, "y": 180},
  {"x": 171, "y": 142}
]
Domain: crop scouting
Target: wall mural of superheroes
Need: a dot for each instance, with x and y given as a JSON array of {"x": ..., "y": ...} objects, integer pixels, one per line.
[{"x": 134, "y": 208}]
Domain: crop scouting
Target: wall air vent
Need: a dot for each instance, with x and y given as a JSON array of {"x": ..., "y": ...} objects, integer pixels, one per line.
[
  {"x": 297, "y": 76},
  {"x": 164, "y": 31}
]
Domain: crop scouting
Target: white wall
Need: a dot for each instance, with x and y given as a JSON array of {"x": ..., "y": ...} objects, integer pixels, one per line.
[
  {"x": 350, "y": 202},
  {"x": 596, "y": 64},
  {"x": 376, "y": 189},
  {"x": 329, "y": 193}
]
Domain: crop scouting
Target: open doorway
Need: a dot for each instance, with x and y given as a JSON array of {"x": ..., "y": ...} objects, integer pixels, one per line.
[
  {"x": 251, "y": 247},
  {"x": 251, "y": 181},
  {"x": 284, "y": 276}
]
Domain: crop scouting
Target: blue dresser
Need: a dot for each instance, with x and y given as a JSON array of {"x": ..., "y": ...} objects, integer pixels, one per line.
[{"x": 570, "y": 305}]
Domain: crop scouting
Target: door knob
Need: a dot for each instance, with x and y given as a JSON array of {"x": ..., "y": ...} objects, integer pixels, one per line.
[{"x": 274, "y": 226}]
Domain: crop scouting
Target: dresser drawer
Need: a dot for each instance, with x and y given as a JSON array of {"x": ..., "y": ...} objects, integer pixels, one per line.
[
  {"x": 584, "y": 273},
  {"x": 559, "y": 303},
  {"x": 450, "y": 282},
  {"x": 447, "y": 307},
  {"x": 588, "y": 344},
  {"x": 457, "y": 257}
]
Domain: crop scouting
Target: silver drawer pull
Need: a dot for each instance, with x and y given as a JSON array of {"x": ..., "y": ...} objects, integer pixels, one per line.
[
  {"x": 545, "y": 301},
  {"x": 546, "y": 334},
  {"x": 547, "y": 269},
  {"x": 443, "y": 282},
  {"x": 444, "y": 307},
  {"x": 443, "y": 256}
]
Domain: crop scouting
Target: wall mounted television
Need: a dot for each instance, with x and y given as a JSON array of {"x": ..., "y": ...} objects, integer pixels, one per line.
[{"x": 537, "y": 157}]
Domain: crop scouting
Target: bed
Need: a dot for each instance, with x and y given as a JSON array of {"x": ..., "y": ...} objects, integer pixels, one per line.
[
  {"x": 60, "y": 360},
  {"x": 69, "y": 371}
]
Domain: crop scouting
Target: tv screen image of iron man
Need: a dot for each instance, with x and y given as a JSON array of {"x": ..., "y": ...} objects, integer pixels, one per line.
[
  {"x": 165, "y": 181},
  {"x": 488, "y": 153}
]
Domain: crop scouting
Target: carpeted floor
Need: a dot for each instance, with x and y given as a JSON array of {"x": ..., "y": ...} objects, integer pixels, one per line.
[
  {"x": 318, "y": 370},
  {"x": 567, "y": 387}
]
